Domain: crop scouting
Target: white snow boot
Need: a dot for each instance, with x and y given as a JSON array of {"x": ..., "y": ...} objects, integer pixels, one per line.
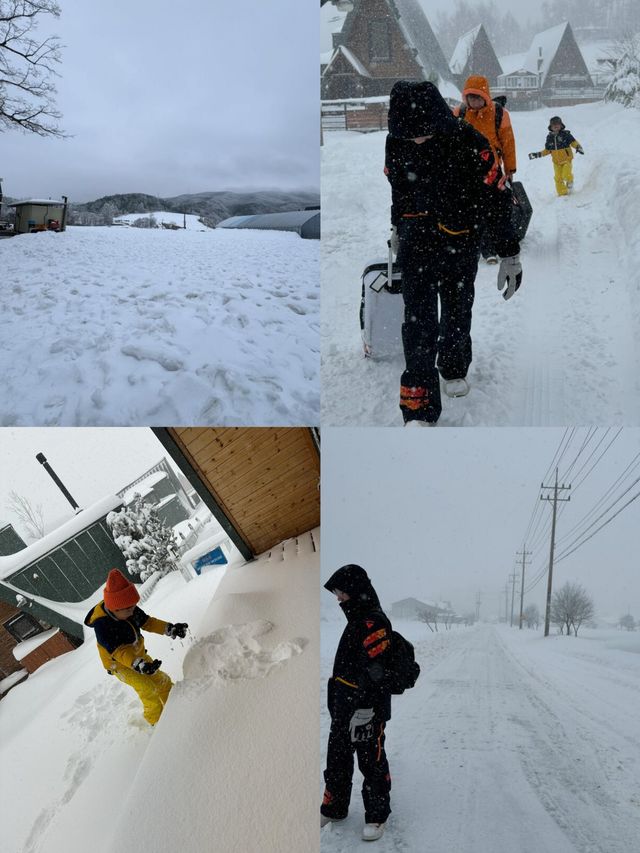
[
  {"x": 456, "y": 387},
  {"x": 415, "y": 423},
  {"x": 372, "y": 831}
]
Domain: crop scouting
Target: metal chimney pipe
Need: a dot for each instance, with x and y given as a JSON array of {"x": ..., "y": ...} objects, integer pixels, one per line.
[{"x": 43, "y": 461}]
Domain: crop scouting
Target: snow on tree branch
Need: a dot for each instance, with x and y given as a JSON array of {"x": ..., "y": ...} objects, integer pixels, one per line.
[{"x": 143, "y": 538}]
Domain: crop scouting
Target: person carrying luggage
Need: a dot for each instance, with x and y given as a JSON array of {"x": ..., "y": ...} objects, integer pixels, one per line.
[
  {"x": 445, "y": 180},
  {"x": 559, "y": 145},
  {"x": 491, "y": 118},
  {"x": 359, "y": 704}
]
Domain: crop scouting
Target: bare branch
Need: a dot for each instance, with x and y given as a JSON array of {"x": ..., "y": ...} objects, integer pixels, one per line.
[{"x": 32, "y": 517}]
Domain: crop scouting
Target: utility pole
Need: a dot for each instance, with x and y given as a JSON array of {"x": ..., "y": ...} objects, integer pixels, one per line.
[
  {"x": 554, "y": 500},
  {"x": 512, "y": 578},
  {"x": 506, "y": 602},
  {"x": 478, "y": 599},
  {"x": 524, "y": 555}
]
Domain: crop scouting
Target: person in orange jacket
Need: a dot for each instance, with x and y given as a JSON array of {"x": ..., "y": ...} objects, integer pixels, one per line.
[
  {"x": 559, "y": 143},
  {"x": 118, "y": 621},
  {"x": 493, "y": 121}
]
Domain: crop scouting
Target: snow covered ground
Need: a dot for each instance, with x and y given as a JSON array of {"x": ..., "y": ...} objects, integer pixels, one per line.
[
  {"x": 233, "y": 762},
  {"x": 565, "y": 349},
  {"x": 128, "y": 326},
  {"x": 508, "y": 742}
]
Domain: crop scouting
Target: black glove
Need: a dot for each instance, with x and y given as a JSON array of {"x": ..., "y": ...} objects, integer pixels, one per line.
[
  {"x": 534, "y": 155},
  {"x": 146, "y": 667},
  {"x": 580, "y": 149},
  {"x": 177, "y": 630}
]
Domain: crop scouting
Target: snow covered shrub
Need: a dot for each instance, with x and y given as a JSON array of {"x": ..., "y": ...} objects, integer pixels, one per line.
[
  {"x": 143, "y": 538},
  {"x": 624, "y": 86}
]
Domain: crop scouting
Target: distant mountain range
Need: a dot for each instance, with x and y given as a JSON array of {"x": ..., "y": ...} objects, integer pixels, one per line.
[{"x": 213, "y": 207}]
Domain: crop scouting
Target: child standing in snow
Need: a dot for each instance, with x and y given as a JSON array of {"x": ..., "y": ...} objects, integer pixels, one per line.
[
  {"x": 117, "y": 622},
  {"x": 559, "y": 143}
]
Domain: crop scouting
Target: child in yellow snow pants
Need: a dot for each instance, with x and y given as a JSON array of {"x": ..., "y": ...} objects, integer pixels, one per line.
[
  {"x": 118, "y": 623},
  {"x": 559, "y": 145}
]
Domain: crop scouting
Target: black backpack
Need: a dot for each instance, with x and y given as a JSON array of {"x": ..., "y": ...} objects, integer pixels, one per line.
[{"x": 402, "y": 668}]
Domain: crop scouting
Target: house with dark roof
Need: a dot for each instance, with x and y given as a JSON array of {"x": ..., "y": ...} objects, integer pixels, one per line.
[
  {"x": 382, "y": 41},
  {"x": 474, "y": 54}
]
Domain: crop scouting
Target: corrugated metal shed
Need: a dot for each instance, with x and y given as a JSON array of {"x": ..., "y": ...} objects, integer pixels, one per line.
[{"x": 306, "y": 223}]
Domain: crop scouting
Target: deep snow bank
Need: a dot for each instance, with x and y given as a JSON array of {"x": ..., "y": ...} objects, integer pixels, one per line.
[{"x": 233, "y": 761}]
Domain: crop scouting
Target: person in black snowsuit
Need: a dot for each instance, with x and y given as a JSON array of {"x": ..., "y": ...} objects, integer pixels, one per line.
[
  {"x": 359, "y": 704},
  {"x": 444, "y": 180}
]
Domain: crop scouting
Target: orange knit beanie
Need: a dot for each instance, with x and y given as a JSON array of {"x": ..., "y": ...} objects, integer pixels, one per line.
[{"x": 119, "y": 593}]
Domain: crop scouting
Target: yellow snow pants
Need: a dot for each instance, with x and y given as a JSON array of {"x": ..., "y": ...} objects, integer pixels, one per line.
[
  {"x": 153, "y": 690},
  {"x": 563, "y": 175}
]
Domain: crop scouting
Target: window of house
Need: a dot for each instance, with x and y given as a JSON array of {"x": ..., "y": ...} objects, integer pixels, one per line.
[
  {"x": 379, "y": 41},
  {"x": 22, "y": 627}
]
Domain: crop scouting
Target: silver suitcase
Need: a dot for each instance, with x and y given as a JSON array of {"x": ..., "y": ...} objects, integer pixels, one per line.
[{"x": 382, "y": 309}]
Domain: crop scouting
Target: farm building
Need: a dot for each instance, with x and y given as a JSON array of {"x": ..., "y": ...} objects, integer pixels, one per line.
[
  {"x": 306, "y": 223},
  {"x": 412, "y": 608},
  {"x": 37, "y": 214},
  {"x": 474, "y": 54}
]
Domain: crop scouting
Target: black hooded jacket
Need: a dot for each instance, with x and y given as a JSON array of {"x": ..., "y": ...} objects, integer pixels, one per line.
[
  {"x": 363, "y": 651},
  {"x": 452, "y": 177}
]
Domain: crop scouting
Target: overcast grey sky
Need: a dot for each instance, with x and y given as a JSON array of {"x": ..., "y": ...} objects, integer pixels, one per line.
[
  {"x": 165, "y": 99},
  {"x": 442, "y": 515},
  {"x": 92, "y": 463}
]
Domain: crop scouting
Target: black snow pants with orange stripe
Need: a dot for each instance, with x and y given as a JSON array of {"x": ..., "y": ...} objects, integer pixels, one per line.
[
  {"x": 373, "y": 764},
  {"x": 438, "y": 276}
]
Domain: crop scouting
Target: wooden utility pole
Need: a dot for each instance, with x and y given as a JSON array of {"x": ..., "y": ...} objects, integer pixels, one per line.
[
  {"x": 524, "y": 555},
  {"x": 513, "y": 592},
  {"x": 554, "y": 500},
  {"x": 506, "y": 602}
]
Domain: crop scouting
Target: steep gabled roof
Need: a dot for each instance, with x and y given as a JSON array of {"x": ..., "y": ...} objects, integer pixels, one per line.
[
  {"x": 350, "y": 57},
  {"x": 412, "y": 20},
  {"x": 463, "y": 50},
  {"x": 545, "y": 46}
]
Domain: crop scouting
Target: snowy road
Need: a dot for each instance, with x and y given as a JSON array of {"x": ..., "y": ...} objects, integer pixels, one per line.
[
  {"x": 564, "y": 349},
  {"x": 510, "y": 742}
]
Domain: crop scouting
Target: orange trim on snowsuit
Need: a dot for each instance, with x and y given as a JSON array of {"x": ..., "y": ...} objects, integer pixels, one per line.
[
  {"x": 446, "y": 230},
  {"x": 348, "y": 683},
  {"x": 372, "y": 638},
  {"x": 376, "y": 650}
]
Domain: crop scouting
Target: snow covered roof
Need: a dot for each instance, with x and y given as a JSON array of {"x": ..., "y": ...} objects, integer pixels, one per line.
[
  {"x": 270, "y": 220},
  {"x": 419, "y": 35},
  {"x": 351, "y": 58},
  {"x": 47, "y": 202},
  {"x": 83, "y": 519},
  {"x": 166, "y": 500},
  {"x": 543, "y": 49},
  {"x": 8, "y": 682},
  {"x": 21, "y": 650},
  {"x": 463, "y": 49}
]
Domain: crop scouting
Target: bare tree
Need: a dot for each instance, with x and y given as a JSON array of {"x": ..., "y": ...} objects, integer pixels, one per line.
[
  {"x": 531, "y": 616},
  {"x": 570, "y": 607},
  {"x": 31, "y": 516},
  {"x": 627, "y": 622},
  {"x": 428, "y": 617},
  {"x": 27, "y": 68}
]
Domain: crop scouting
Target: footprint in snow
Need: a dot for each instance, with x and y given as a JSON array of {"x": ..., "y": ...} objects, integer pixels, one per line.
[{"x": 236, "y": 653}]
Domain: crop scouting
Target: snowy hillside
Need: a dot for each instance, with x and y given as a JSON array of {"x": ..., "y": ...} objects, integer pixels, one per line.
[
  {"x": 565, "y": 349},
  {"x": 221, "y": 771},
  {"x": 133, "y": 326},
  {"x": 508, "y": 742}
]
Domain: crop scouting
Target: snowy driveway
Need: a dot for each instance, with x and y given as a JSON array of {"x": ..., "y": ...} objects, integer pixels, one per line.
[
  {"x": 510, "y": 742},
  {"x": 127, "y": 326}
]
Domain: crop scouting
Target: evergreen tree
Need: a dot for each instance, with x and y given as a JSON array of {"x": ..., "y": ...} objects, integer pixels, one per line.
[
  {"x": 143, "y": 538},
  {"x": 624, "y": 86}
]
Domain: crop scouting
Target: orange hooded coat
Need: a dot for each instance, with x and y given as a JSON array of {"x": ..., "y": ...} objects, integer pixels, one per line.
[{"x": 503, "y": 143}]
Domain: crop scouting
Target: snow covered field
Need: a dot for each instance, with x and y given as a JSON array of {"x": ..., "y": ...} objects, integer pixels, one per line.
[
  {"x": 565, "y": 349},
  {"x": 508, "y": 742},
  {"x": 128, "y": 326},
  {"x": 231, "y": 765}
]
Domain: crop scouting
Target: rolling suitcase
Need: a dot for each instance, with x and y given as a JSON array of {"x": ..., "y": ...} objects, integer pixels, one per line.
[
  {"x": 382, "y": 309},
  {"x": 522, "y": 210}
]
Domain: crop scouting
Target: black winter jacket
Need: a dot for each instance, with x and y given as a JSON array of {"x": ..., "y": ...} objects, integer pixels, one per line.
[
  {"x": 358, "y": 679},
  {"x": 562, "y": 139}
]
